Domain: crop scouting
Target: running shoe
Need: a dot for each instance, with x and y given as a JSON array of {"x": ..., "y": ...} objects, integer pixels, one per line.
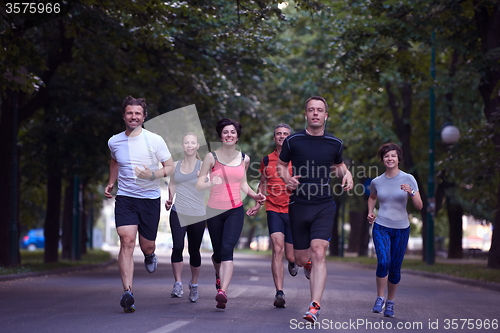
[
  {"x": 217, "y": 283},
  {"x": 127, "y": 302},
  {"x": 221, "y": 299},
  {"x": 293, "y": 268},
  {"x": 279, "y": 299},
  {"x": 379, "y": 305},
  {"x": 307, "y": 270},
  {"x": 389, "y": 309},
  {"x": 193, "y": 293},
  {"x": 151, "y": 262},
  {"x": 312, "y": 314},
  {"x": 177, "y": 290}
]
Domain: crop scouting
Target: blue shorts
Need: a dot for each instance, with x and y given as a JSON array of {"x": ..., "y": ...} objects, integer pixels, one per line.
[
  {"x": 145, "y": 213},
  {"x": 311, "y": 221},
  {"x": 279, "y": 222}
]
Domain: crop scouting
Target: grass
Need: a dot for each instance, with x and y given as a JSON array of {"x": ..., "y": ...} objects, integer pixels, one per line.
[
  {"x": 33, "y": 262},
  {"x": 474, "y": 271}
]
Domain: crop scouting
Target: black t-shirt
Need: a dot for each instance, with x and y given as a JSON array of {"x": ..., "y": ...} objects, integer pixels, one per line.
[{"x": 312, "y": 158}]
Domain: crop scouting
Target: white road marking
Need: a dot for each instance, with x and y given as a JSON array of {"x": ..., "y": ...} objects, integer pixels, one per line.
[
  {"x": 170, "y": 327},
  {"x": 237, "y": 291}
]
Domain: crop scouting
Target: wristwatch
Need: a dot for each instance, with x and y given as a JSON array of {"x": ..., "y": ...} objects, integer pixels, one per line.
[
  {"x": 412, "y": 193},
  {"x": 153, "y": 177}
]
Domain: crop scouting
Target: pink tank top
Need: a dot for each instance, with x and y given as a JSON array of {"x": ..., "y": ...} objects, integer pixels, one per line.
[{"x": 228, "y": 194}]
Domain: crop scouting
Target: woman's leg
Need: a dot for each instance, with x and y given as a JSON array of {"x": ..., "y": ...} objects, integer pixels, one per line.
[
  {"x": 382, "y": 243},
  {"x": 195, "y": 236},
  {"x": 233, "y": 225},
  {"x": 399, "y": 241},
  {"x": 178, "y": 234}
]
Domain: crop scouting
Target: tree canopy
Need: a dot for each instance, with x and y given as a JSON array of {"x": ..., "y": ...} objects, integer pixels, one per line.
[{"x": 65, "y": 74}]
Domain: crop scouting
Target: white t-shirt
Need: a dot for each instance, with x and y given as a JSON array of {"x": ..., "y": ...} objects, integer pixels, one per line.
[
  {"x": 392, "y": 199},
  {"x": 147, "y": 149}
]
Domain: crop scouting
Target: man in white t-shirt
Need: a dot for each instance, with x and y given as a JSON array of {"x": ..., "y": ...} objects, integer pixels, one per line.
[{"x": 136, "y": 155}]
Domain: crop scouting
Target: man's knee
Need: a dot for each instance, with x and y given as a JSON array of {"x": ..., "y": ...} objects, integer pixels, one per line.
[
  {"x": 318, "y": 248},
  {"x": 127, "y": 241},
  {"x": 278, "y": 248}
]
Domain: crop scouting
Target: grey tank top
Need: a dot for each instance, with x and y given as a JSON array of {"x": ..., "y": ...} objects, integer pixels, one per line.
[{"x": 189, "y": 201}]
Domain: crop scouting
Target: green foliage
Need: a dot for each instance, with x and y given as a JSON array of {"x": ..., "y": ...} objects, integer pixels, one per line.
[
  {"x": 94, "y": 53},
  {"x": 356, "y": 53}
]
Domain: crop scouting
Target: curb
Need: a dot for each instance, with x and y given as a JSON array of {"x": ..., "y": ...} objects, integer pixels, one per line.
[
  {"x": 469, "y": 282},
  {"x": 440, "y": 276},
  {"x": 19, "y": 276}
]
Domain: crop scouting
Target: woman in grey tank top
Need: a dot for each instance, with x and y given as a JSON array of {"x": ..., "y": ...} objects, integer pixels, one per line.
[{"x": 187, "y": 216}]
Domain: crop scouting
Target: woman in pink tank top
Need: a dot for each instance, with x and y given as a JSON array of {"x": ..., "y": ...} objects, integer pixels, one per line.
[{"x": 225, "y": 169}]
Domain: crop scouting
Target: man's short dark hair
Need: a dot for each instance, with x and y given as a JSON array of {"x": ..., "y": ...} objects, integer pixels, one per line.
[
  {"x": 226, "y": 122},
  {"x": 129, "y": 100},
  {"x": 319, "y": 98}
]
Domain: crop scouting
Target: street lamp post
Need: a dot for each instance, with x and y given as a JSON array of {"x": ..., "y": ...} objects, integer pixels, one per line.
[{"x": 449, "y": 135}]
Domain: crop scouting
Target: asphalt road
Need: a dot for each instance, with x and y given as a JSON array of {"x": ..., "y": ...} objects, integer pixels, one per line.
[{"x": 88, "y": 301}]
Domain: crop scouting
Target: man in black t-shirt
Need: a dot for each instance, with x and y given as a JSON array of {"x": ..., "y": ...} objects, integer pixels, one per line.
[{"x": 316, "y": 157}]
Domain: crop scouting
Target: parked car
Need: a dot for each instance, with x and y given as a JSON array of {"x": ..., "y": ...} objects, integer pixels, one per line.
[{"x": 35, "y": 239}]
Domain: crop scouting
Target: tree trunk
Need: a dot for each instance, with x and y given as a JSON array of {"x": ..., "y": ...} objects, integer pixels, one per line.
[
  {"x": 357, "y": 220},
  {"x": 53, "y": 213},
  {"x": 83, "y": 219},
  {"x": 455, "y": 213},
  {"x": 494, "y": 253},
  {"x": 364, "y": 237},
  {"x": 6, "y": 135},
  {"x": 487, "y": 16},
  {"x": 67, "y": 221}
]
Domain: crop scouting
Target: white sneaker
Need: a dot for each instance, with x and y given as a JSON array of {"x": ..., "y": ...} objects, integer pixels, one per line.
[
  {"x": 193, "y": 293},
  {"x": 177, "y": 291}
]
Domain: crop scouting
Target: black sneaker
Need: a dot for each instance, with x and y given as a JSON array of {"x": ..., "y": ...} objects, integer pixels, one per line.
[
  {"x": 151, "y": 262},
  {"x": 293, "y": 268},
  {"x": 127, "y": 302},
  {"x": 279, "y": 299}
]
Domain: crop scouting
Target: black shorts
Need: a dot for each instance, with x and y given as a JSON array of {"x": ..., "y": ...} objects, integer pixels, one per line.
[
  {"x": 145, "y": 213},
  {"x": 279, "y": 222},
  {"x": 311, "y": 221}
]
